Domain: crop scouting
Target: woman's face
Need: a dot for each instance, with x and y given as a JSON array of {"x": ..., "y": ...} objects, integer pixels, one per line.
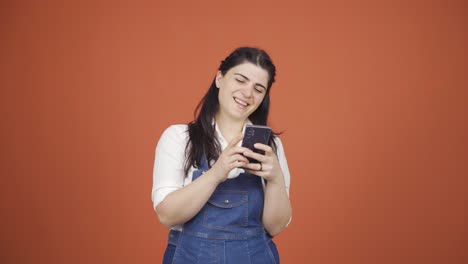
[{"x": 241, "y": 90}]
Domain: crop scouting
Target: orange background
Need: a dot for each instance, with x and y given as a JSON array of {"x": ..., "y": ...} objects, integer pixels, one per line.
[{"x": 371, "y": 96}]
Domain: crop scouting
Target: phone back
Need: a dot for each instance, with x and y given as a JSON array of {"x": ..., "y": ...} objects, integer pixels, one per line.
[{"x": 256, "y": 134}]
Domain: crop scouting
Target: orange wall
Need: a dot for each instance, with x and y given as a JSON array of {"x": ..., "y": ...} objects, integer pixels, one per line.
[{"x": 372, "y": 98}]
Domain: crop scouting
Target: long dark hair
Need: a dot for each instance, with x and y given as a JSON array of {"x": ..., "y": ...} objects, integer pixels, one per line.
[{"x": 202, "y": 139}]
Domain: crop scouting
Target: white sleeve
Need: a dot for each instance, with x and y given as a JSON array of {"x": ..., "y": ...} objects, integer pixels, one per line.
[
  {"x": 168, "y": 171},
  {"x": 283, "y": 163}
]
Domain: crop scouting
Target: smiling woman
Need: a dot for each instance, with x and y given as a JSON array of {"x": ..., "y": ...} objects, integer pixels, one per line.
[
  {"x": 203, "y": 184},
  {"x": 241, "y": 90}
]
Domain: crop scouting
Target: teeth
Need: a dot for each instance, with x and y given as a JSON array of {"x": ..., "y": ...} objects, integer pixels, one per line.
[{"x": 241, "y": 102}]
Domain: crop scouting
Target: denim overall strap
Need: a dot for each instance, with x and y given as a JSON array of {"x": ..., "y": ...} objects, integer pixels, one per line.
[{"x": 203, "y": 167}]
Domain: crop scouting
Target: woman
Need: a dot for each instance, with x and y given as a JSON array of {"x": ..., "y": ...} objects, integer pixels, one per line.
[{"x": 220, "y": 207}]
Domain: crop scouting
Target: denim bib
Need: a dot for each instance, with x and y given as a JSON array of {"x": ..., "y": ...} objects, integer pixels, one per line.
[{"x": 228, "y": 228}]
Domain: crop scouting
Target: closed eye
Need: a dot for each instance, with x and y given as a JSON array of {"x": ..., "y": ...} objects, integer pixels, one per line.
[
  {"x": 240, "y": 78},
  {"x": 259, "y": 90}
]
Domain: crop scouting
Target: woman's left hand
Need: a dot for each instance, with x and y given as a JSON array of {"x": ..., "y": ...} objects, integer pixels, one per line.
[{"x": 268, "y": 168}]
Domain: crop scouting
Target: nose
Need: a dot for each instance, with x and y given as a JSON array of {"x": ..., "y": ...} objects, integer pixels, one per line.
[{"x": 248, "y": 91}]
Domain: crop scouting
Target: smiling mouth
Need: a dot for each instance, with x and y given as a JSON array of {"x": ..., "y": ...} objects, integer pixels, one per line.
[{"x": 240, "y": 102}]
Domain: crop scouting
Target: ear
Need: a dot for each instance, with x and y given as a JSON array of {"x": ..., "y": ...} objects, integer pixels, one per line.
[{"x": 219, "y": 77}]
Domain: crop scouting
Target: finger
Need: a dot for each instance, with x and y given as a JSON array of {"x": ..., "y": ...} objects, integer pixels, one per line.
[
  {"x": 261, "y": 158},
  {"x": 263, "y": 147},
  {"x": 238, "y": 157},
  {"x": 238, "y": 164},
  {"x": 253, "y": 166},
  {"x": 235, "y": 141},
  {"x": 257, "y": 173},
  {"x": 234, "y": 150},
  {"x": 238, "y": 149}
]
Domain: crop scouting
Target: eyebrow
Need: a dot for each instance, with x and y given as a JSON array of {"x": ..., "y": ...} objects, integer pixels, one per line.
[{"x": 261, "y": 85}]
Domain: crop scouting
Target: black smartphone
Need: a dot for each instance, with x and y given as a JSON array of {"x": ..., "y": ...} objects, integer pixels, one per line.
[{"x": 256, "y": 134}]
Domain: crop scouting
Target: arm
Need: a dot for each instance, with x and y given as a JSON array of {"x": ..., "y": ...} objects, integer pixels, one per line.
[
  {"x": 180, "y": 206},
  {"x": 183, "y": 202},
  {"x": 277, "y": 208}
]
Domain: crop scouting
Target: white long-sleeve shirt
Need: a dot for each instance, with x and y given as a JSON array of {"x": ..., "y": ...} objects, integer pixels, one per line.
[{"x": 168, "y": 171}]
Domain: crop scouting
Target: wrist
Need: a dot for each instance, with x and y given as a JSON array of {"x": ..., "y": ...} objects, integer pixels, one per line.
[
  {"x": 214, "y": 176},
  {"x": 277, "y": 181}
]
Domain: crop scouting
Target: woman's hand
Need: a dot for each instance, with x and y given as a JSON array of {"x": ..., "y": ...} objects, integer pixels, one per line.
[
  {"x": 192, "y": 197},
  {"x": 268, "y": 168},
  {"x": 230, "y": 158}
]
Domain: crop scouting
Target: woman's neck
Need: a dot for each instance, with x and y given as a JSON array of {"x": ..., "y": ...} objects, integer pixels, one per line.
[{"x": 229, "y": 128}]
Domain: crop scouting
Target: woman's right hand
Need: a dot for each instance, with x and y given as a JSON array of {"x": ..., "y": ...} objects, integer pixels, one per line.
[{"x": 230, "y": 158}]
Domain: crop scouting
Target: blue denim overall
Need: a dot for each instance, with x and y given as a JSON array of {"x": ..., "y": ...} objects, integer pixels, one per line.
[{"x": 228, "y": 229}]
